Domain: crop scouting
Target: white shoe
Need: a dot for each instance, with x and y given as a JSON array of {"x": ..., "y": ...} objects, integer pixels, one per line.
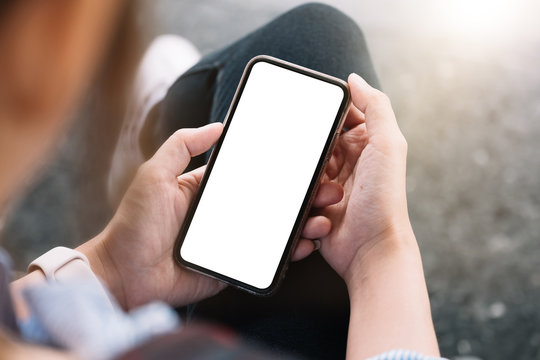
[{"x": 165, "y": 60}]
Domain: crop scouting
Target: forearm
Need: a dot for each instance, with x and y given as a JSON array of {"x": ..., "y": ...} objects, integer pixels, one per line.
[{"x": 389, "y": 303}]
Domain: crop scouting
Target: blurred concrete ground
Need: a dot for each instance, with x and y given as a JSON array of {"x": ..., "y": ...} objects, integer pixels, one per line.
[{"x": 463, "y": 77}]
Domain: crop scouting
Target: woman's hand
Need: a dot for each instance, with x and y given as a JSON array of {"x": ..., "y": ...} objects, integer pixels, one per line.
[
  {"x": 369, "y": 161},
  {"x": 372, "y": 245},
  {"x": 134, "y": 253}
]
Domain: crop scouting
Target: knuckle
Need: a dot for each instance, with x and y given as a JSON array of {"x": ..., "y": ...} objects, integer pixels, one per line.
[
  {"x": 401, "y": 142},
  {"x": 178, "y": 135},
  {"x": 180, "y": 140},
  {"x": 399, "y": 145}
]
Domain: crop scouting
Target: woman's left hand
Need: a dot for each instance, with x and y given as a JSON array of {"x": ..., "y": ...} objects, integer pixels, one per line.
[{"x": 134, "y": 254}]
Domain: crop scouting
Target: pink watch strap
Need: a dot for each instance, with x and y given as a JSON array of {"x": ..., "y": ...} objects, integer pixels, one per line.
[{"x": 62, "y": 263}]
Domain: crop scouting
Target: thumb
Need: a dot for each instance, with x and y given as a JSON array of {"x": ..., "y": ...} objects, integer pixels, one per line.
[
  {"x": 175, "y": 153},
  {"x": 379, "y": 116}
]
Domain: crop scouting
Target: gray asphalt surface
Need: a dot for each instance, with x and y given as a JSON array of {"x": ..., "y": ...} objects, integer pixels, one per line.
[{"x": 464, "y": 81}]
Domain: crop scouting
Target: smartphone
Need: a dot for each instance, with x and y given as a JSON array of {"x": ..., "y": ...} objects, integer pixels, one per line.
[{"x": 262, "y": 174}]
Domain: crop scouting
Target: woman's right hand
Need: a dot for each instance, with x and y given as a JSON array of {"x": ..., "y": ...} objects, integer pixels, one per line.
[
  {"x": 372, "y": 245},
  {"x": 369, "y": 162}
]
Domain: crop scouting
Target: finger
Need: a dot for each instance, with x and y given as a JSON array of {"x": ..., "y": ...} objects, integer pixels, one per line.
[
  {"x": 181, "y": 146},
  {"x": 354, "y": 117},
  {"x": 379, "y": 116},
  {"x": 189, "y": 182},
  {"x": 317, "y": 227},
  {"x": 303, "y": 249},
  {"x": 334, "y": 164},
  {"x": 329, "y": 193}
]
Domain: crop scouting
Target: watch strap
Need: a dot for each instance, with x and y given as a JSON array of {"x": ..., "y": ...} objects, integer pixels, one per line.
[{"x": 62, "y": 263}]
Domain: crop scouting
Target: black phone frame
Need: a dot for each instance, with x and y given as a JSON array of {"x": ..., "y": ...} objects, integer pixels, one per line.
[{"x": 310, "y": 192}]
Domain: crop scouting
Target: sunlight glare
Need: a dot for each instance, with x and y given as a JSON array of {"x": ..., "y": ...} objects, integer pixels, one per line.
[{"x": 479, "y": 20}]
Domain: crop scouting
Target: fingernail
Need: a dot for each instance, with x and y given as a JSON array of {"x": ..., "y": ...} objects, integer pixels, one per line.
[{"x": 316, "y": 245}]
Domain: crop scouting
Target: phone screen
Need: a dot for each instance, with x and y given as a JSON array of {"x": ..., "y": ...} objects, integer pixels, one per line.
[{"x": 252, "y": 197}]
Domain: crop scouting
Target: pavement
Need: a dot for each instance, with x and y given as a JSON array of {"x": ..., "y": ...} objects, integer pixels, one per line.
[{"x": 464, "y": 82}]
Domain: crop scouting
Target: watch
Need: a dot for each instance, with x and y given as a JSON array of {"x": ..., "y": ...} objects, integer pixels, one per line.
[{"x": 62, "y": 263}]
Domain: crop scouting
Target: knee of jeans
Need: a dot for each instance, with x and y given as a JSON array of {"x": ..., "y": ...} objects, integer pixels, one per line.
[{"x": 328, "y": 20}]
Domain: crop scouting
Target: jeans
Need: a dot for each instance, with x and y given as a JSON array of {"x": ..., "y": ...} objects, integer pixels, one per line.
[{"x": 308, "y": 315}]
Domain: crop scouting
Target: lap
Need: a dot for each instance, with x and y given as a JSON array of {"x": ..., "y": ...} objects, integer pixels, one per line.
[{"x": 314, "y": 35}]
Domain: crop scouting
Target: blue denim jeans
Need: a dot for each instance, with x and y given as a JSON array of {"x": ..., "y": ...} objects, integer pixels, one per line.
[{"x": 308, "y": 316}]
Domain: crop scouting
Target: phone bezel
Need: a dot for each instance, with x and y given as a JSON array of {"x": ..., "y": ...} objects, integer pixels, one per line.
[{"x": 310, "y": 192}]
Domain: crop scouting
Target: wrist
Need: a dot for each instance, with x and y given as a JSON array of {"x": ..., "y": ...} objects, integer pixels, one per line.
[
  {"x": 390, "y": 306},
  {"x": 397, "y": 245},
  {"x": 103, "y": 265}
]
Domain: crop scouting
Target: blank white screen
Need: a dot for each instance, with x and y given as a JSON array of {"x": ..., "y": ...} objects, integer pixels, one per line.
[{"x": 262, "y": 173}]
